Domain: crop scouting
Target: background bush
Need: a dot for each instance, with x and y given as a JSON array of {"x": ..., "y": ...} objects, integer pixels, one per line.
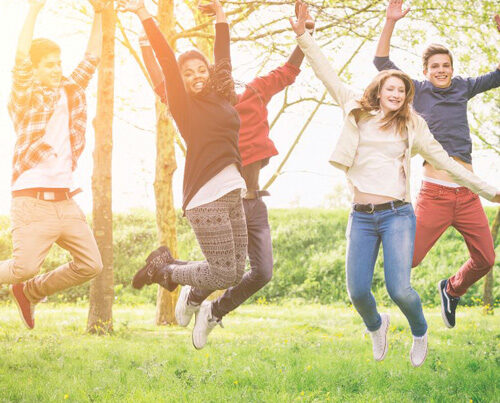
[{"x": 309, "y": 257}]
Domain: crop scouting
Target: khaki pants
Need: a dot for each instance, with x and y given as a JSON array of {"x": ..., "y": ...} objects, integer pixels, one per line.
[{"x": 36, "y": 226}]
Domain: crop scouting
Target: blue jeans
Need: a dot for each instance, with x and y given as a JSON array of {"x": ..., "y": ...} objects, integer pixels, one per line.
[{"x": 395, "y": 228}]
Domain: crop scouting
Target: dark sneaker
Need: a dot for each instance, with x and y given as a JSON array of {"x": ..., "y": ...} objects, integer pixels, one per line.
[
  {"x": 24, "y": 306},
  {"x": 156, "y": 260},
  {"x": 448, "y": 304}
]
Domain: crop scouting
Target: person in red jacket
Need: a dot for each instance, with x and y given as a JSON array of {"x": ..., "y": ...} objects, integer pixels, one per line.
[{"x": 256, "y": 148}]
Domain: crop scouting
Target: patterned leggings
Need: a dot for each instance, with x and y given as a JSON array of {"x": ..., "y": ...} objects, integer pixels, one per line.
[{"x": 220, "y": 228}]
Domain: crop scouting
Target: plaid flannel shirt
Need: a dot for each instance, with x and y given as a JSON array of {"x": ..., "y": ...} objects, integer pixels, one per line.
[{"x": 31, "y": 106}]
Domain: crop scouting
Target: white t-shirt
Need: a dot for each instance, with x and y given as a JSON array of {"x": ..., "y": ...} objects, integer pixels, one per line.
[
  {"x": 55, "y": 171},
  {"x": 224, "y": 182}
]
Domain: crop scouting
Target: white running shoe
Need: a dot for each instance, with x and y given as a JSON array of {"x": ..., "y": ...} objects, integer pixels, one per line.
[
  {"x": 184, "y": 311},
  {"x": 203, "y": 325},
  {"x": 418, "y": 351},
  {"x": 379, "y": 338}
]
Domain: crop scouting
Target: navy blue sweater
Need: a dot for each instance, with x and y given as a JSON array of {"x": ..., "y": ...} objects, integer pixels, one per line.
[{"x": 445, "y": 109}]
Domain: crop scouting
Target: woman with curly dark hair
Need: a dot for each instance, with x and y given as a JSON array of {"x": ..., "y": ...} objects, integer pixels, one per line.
[{"x": 201, "y": 99}]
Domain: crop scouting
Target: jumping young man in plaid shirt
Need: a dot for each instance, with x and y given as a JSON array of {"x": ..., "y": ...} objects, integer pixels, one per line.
[{"x": 49, "y": 113}]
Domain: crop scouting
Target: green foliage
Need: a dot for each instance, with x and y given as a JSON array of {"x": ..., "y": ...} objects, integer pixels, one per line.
[
  {"x": 309, "y": 258},
  {"x": 266, "y": 353}
]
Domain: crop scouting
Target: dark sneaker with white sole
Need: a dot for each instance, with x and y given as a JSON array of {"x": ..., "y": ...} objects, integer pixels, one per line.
[{"x": 448, "y": 304}]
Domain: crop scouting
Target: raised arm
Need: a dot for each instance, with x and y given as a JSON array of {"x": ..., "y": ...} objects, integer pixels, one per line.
[
  {"x": 94, "y": 45},
  {"x": 483, "y": 83},
  {"x": 283, "y": 76},
  {"x": 26, "y": 35},
  {"x": 22, "y": 74},
  {"x": 272, "y": 83},
  {"x": 153, "y": 68},
  {"x": 432, "y": 151},
  {"x": 222, "y": 38},
  {"x": 214, "y": 7},
  {"x": 488, "y": 81},
  {"x": 393, "y": 14},
  {"x": 339, "y": 91},
  {"x": 297, "y": 55},
  {"x": 176, "y": 93}
]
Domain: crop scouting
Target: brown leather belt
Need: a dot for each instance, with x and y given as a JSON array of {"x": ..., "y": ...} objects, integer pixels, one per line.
[
  {"x": 255, "y": 194},
  {"x": 47, "y": 194},
  {"x": 371, "y": 208}
]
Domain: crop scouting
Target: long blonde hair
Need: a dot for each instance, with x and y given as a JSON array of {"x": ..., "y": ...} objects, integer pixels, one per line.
[{"x": 370, "y": 101}]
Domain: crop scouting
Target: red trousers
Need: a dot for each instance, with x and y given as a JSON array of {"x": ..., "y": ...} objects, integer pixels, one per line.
[{"x": 437, "y": 208}]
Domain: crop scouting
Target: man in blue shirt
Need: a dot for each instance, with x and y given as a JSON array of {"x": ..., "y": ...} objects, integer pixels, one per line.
[{"x": 441, "y": 100}]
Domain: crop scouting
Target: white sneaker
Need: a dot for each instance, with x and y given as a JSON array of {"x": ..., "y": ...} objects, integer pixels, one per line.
[
  {"x": 379, "y": 338},
  {"x": 203, "y": 325},
  {"x": 184, "y": 311},
  {"x": 418, "y": 351}
]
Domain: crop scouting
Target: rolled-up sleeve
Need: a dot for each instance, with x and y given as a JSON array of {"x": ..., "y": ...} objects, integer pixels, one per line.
[{"x": 22, "y": 88}]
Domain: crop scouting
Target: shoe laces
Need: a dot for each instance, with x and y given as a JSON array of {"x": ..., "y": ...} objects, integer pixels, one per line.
[
  {"x": 377, "y": 337},
  {"x": 150, "y": 272},
  {"x": 161, "y": 260}
]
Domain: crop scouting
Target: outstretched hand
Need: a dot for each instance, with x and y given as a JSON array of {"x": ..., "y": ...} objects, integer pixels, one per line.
[
  {"x": 302, "y": 13},
  {"x": 310, "y": 23},
  {"x": 210, "y": 8},
  {"x": 497, "y": 20},
  {"x": 496, "y": 199},
  {"x": 130, "y": 5},
  {"x": 395, "y": 10}
]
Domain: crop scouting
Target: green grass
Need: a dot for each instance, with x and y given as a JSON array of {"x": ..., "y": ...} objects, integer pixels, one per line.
[
  {"x": 309, "y": 258},
  {"x": 290, "y": 352}
]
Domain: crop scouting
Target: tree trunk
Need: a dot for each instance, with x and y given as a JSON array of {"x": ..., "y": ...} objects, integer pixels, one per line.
[
  {"x": 100, "y": 318},
  {"x": 165, "y": 167},
  {"x": 489, "y": 280}
]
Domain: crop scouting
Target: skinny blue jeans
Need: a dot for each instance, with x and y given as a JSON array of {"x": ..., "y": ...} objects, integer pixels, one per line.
[{"x": 395, "y": 229}]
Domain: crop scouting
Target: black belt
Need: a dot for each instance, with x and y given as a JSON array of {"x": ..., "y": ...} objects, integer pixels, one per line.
[
  {"x": 47, "y": 194},
  {"x": 371, "y": 208}
]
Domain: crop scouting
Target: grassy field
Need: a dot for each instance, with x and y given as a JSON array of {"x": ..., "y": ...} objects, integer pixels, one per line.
[
  {"x": 266, "y": 353},
  {"x": 309, "y": 259}
]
